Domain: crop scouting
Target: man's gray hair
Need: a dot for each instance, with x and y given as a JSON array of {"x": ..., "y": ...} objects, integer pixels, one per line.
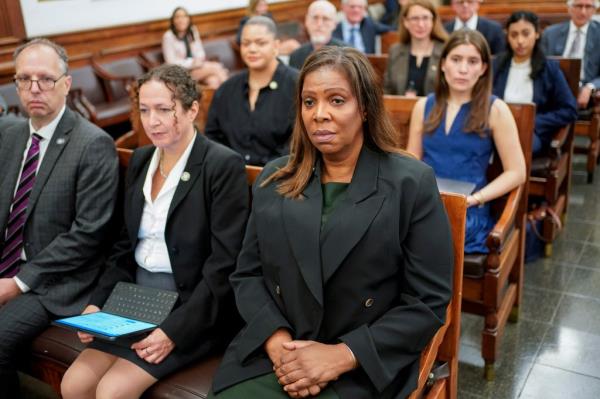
[
  {"x": 364, "y": 1},
  {"x": 263, "y": 21},
  {"x": 596, "y": 3},
  {"x": 60, "y": 50}
]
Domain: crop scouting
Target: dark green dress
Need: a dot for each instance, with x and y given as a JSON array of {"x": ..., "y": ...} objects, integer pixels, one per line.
[{"x": 266, "y": 386}]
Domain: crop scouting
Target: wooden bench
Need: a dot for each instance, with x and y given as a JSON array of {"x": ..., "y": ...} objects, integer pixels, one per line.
[
  {"x": 550, "y": 178},
  {"x": 54, "y": 350}
]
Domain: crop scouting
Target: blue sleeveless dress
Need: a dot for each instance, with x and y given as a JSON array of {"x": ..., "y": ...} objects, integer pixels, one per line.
[{"x": 462, "y": 156}]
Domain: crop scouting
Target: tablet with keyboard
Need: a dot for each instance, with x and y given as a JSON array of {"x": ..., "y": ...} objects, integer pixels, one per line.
[{"x": 129, "y": 310}]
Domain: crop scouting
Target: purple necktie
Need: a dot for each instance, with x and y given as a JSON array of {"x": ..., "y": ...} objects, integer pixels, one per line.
[{"x": 13, "y": 243}]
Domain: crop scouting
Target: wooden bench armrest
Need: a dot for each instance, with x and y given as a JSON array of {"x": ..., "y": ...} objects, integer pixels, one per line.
[
  {"x": 105, "y": 75},
  {"x": 595, "y": 102},
  {"x": 429, "y": 356},
  {"x": 505, "y": 223},
  {"x": 127, "y": 141},
  {"x": 559, "y": 138},
  {"x": 83, "y": 105}
]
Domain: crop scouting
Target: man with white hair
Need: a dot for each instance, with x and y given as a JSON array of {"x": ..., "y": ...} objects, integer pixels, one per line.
[
  {"x": 357, "y": 28},
  {"x": 467, "y": 17},
  {"x": 578, "y": 38},
  {"x": 320, "y": 23}
]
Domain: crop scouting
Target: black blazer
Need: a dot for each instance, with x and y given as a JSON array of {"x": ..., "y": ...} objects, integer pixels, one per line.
[
  {"x": 377, "y": 277},
  {"x": 369, "y": 29},
  {"x": 491, "y": 30},
  {"x": 204, "y": 231}
]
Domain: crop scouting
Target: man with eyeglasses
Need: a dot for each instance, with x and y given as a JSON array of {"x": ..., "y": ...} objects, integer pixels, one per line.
[
  {"x": 57, "y": 194},
  {"x": 358, "y": 29},
  {"x": 578, "y": 38},
  {"x": 466, "y": 17},
  {"x": 320, "y": 23}
]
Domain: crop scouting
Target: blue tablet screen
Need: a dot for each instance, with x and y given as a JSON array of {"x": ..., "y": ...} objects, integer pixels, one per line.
[{"x": 106, "y": 324}]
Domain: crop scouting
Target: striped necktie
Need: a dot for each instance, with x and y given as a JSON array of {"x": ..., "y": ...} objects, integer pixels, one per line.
[
  {"x": 573, "y": 53},
  {"x": 353, "y": 37},
  {"x": 13, "y": 243}
]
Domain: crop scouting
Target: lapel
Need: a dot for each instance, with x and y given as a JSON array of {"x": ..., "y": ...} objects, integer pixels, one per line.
[
  {"x": 402, "y": 68},
  {"x": 135, "y": 203},
  {"x": 11, "y": 154},
  {"x": 591, "y": 44},
  {"x": 538, "y": 90},
  {"x": 302, "y": 224},
  {"x": 432, "y": 69},
  {"x": 193, "y": 167},
  {"x": 561, "y": 39},
  {"x": 500, "y": 80},
  {"x": 353, "y": 214},
  {"x": 60, "y": 139},
  {"x": 367, "y": 32}
]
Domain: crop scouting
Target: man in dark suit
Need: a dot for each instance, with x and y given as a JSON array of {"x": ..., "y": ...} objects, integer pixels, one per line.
[
  {"x": 357, "y": 28},
  {"x": 57, "y": 194},
  {"x": 320, "y": 23},
  {"x": 466, "y": 17},
  {"x": 578, "y": 38}
]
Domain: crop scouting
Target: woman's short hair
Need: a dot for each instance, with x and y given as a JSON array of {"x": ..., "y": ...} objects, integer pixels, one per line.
[
  {"x": 478, "y": 120},
  {"x": 263, "y": 21},
  {"x": 379, "y": 133},
  {"x": 538, "y": 59},
  {"x": 437, "y": 31},
  {"x": 178, "y": 81}
]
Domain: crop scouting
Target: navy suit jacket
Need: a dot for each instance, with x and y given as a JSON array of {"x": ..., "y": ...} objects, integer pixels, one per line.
[
  {"x": 300, "y": 55},
  {"x": 555, "y": 103},
  {"x": 554, "y": 41},
  {"x": 491, "y": 30},
  {"x": 369, "y": 29}
]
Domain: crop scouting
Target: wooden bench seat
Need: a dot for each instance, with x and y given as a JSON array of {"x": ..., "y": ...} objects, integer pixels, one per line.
[{"x": 54, "y": 350}]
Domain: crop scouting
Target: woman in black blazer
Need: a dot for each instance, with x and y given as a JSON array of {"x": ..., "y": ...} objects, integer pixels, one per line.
[
  {"x": 346, "y": 266},
  {"x": 185, "y": 211}
]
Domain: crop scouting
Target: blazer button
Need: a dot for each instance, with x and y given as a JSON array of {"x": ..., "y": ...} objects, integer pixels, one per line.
[
  {"x": 174, "y": 250},
  {"x": 181, "y": 286},
  {"x": 278, "y": 290},
  {"x": 369, "y": 302}
]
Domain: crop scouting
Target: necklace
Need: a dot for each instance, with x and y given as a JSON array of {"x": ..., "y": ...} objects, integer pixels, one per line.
[{"x": 160, "y": 166}]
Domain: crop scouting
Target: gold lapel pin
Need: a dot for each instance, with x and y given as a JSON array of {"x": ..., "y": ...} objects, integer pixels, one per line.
[{"x": 185, "y": 176}]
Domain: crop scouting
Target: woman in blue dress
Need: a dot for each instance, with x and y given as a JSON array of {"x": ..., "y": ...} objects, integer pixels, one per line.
[{"x": 456, "y": 129}]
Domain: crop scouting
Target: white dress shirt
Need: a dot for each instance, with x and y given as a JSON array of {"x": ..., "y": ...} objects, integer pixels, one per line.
[
  {"x": 346, "y": 32},
  {"x": 471, "y": 23},
  {"x": 151, "y": 252},
  {"x": 46, "y": 134},
  {"x": 569, "y": 43},
  {"x": 519, "y": 85}
]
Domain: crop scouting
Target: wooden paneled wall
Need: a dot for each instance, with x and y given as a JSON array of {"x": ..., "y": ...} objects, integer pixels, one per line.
[
  {"x": 128, "y": 39},
  {"x": 131, "y": 39}
]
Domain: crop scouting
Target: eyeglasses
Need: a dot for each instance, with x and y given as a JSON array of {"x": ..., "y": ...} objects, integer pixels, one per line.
[
  {"x": 45, "y": 83},
  {"x": 465, "y": 2},
  {"x": 424, "y": 18},
  {"x": 583, "y": 7}
]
